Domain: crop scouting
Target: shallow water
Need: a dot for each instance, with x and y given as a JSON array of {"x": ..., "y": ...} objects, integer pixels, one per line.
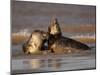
[{"x": 45, "y": 63}]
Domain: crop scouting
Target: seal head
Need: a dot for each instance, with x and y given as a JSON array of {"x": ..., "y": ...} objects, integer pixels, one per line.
[
  {"x": 54, "y": 28},
  {"x": 36, "y": 42}
]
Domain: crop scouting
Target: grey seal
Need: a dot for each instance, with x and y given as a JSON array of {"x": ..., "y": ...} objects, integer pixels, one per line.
[
  {"x": 58, "y": 43},
  {"x": 35, "y": 43}
]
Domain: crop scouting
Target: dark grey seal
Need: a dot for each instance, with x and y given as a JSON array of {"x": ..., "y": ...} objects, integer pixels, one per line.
[{"x": 59, "y": 44}]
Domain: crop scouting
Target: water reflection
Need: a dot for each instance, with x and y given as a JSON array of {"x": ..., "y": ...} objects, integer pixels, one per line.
[
  {"x": 42, "y": 63},
  {"x": 31, "y": 64},
  {"x": 54, "y": 63},
  {"x": 67, "y": 62}
]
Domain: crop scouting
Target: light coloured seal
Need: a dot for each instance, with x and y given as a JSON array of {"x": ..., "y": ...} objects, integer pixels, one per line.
[{"x": 35, "y": 43}]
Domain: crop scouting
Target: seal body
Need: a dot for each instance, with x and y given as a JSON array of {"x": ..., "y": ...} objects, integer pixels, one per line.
[
  {"x": 59, "y": 44},
  {"x": 66, "y": 45},
  {"x": 36, "y": 42}
]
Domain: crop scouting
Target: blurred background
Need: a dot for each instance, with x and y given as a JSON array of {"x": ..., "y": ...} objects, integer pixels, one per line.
[{"x": 75, "y": 20}]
